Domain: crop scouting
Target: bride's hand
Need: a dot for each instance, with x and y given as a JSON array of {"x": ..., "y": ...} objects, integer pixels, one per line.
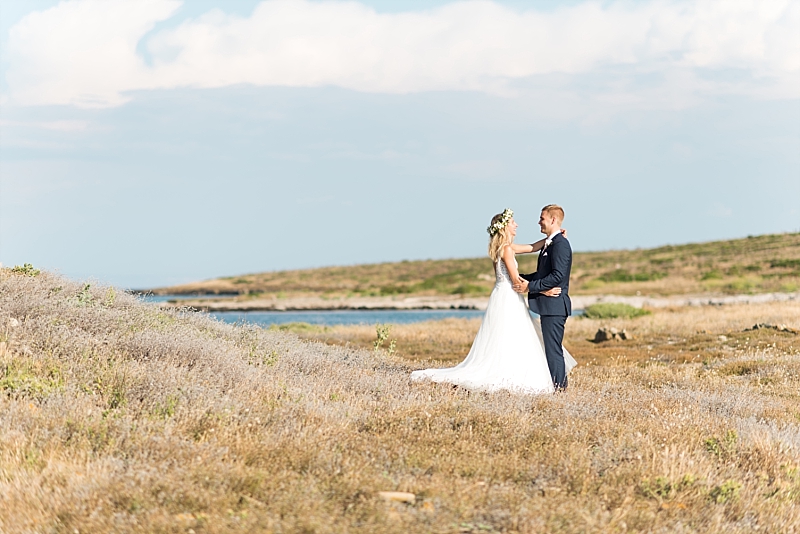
[
  {"x": 564, "y": 232},
  {"x": 553, "y": 292}
]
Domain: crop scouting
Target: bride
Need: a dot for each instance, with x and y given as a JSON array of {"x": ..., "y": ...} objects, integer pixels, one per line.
[{"x": 508, "y": 351}]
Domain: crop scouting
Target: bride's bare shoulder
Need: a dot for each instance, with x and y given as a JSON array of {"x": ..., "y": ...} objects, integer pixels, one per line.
[{"x": 507, "y": 256}]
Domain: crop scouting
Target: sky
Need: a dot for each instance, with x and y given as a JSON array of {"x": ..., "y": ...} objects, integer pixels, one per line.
[{"x": 154, "y": 142}]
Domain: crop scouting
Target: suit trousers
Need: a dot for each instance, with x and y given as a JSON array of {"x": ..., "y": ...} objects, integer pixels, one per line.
[{"x": 553, "y": 334}]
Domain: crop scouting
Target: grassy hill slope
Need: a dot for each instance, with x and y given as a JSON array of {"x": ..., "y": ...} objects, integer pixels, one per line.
[
  {"x": 751, "y": 265},
  {"x": 118, "y": 416}
]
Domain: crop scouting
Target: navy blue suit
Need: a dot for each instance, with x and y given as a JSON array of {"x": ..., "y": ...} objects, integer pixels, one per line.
[{"x": 552, "y": 270}]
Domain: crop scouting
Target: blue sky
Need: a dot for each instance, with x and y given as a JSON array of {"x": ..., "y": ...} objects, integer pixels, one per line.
[{"x": 156, "y": 142}]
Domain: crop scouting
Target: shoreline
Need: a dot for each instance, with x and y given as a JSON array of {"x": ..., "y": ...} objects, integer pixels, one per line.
[
  {"x": 320, "y": 304},
  {"x": 459, "y": 303}
]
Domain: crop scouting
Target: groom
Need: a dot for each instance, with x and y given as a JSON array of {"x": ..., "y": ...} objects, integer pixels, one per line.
[{"x": 555, "y": 262}]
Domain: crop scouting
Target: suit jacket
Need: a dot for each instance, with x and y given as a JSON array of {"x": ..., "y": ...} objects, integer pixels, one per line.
[{"x": 552, "y": 270}]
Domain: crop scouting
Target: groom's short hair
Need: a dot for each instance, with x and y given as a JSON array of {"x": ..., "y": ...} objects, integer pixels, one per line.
[{"x": 554, "y": 210}]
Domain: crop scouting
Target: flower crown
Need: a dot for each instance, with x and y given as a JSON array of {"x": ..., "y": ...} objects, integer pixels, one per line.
[{"x": 499, "y": 225}]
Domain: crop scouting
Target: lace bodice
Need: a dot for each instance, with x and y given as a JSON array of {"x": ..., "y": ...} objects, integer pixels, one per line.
[{"x": 501, "y": 271}]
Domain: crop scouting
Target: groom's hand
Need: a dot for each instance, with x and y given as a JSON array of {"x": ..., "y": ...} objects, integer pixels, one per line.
[{"x": 521, "y": 285}]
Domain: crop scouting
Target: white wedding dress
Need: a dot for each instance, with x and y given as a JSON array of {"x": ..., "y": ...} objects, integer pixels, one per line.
[{"x": 508, "y": 351}]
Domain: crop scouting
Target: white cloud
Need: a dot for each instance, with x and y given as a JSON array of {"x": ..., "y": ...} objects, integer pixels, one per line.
[
  {"x": 81, "y": 52},
  {"x": 84, "y": 52}
]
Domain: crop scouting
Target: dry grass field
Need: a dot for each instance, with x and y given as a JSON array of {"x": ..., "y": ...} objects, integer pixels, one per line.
[
  {"x": 676, "y": 335},
  {"x": 767, "y": 263},
  {"x": 117, "y": 416}
]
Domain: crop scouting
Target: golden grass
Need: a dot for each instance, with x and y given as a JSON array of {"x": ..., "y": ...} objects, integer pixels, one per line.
[
  {"x": 767, "y": 263},
  {"x": 445, "y": 340},
  {"x": 673, "y": 334},
  {"x": 117, "y": 416}
]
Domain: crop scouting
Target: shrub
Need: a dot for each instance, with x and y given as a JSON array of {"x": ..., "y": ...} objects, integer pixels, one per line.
[
  {"x": 741, "y": 285},
  {"x": 739, "y": 368},
  {"x": 395, "y": 290},
  {"x": 297, "y": 328},
  {"x": 613, "y": 310},
  {"x": 658, "y": 488},
  {"x": 381, "y": 336},
  {"x": 790, "y": 263},
  {"x": 26, "y": 269},
  {"x": 722, "y": 447},
  {"x": 621, "y": 275},
  {"x": 727, "y": 491},
  {"x": 469, "y": 289},
  {"x": 714, "y": 274}
]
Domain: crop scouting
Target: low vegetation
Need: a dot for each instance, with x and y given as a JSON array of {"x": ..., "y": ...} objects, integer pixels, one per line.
[
  {"x": 664, "y": 336},
  {"x": 118, "y": 416},
  {"x": 26, "y": 269},
  {"x": 613, "y": 310},
  {"x": 767, "y": 263}
]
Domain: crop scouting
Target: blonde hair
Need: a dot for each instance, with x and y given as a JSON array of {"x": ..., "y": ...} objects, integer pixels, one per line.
[
  {"x": 498, "y": 240},
  {"x": 554, "y": 210}
]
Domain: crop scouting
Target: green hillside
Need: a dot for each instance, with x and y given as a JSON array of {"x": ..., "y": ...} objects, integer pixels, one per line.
[{"x": 754, "y": 264}]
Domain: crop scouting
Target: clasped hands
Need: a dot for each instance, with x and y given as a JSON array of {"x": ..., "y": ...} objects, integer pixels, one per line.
[{"x": 521, "y": 286}]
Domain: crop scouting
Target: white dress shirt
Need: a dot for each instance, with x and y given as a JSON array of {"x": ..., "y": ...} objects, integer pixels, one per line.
[{"x": 549, "y": 240}]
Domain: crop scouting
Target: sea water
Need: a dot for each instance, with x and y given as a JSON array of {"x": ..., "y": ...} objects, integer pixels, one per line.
[
  {"x": 328, "y": 317},
  {"x": 334, "y": 317},
  {"x": 337, "y": 317}
]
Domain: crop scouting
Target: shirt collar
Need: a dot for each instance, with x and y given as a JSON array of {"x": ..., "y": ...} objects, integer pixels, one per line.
[{"x": 551, "y": 236}]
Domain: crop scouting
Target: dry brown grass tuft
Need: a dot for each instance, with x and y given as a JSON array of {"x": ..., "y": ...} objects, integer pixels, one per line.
[{"x": 116, "y": 416}]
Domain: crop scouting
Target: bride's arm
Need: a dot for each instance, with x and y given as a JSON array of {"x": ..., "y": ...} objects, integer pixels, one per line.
[
  {"x": 533, "y": 247},
  {"x": 526, "y": 249},
  {"x": 513, "y": 273},
  {"x": 508, "y": 259}
]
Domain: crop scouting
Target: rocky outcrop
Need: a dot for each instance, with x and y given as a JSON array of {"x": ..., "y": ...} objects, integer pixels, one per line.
[{"x": 608, "y": 334}]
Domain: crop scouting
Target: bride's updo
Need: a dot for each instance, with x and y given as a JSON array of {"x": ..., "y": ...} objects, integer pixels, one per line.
[{"x": 498, "y": 233}]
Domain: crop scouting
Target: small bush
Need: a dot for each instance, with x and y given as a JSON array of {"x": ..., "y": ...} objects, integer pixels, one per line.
[
  {"x": 27, "y": 380},
  {"x": 741, "y": 285},
  {"x": 658, "y": 488},
  {"x": 26, "y": 269},
  {"x": 714, "y": 274},
  {"x": 613, "y": 310},
  {"x": 381, "y": 335},
  {"x": 469, "y": 289},
  {"x": 621, "y": 275},
  {"x": 739, "y": 368},
  {"x": 788, "y": 264},
  {"x": 722, "y": 447},
  {"x": 725, "y": 492},
  {"x": 395, "y": 290},
  {"x": 297, "y": 328}
]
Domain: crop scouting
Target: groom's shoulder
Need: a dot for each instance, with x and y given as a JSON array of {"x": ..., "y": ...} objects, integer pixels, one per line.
[{"x": 562, "y": 242}]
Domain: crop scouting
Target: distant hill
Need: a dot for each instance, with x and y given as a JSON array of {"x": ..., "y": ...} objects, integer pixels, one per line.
[{"x": 756, "y": 264}]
